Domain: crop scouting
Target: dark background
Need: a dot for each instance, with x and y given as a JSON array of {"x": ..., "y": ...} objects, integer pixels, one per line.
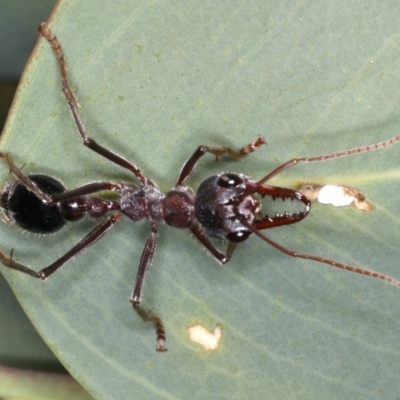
[{"x": 19, "y": 20}]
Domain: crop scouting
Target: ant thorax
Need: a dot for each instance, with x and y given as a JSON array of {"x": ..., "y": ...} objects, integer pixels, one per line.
[{"x": 140, "y": 203}]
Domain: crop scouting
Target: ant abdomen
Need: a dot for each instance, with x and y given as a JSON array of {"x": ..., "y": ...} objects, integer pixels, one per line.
[{"x": 28, "y": 211}]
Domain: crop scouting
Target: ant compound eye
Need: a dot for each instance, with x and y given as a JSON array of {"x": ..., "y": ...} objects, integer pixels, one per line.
[
  {"x": 238, "y": 236},
  {"x": 229, "y": 180}
]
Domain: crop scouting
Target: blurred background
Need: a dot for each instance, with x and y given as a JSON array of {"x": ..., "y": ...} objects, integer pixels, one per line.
[{"x": 18, "y": 35}]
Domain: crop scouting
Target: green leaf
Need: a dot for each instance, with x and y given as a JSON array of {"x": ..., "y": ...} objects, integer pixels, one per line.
[{"x": 157, "y": 79}]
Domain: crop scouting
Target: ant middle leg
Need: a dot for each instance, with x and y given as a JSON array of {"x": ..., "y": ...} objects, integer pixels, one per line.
[
  {"x": 73, "y": 105},
  {"x": 136, "y": 296}
]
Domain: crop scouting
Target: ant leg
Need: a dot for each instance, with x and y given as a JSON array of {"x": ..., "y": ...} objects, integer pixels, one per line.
[
  {"x": 54, "y": 198},
  {"x": 144, "y": 265},
  {"x": 202, "y": 238},
  {"x": 147, "y": 316},
  {"x": 89, "y": 188},
  {"x": 24, "y": 179},
  {"x": 190, "y": 164},
  {"x": 323, "y": 260},
  {"x": 87, "y": 141},
  {"x": 136, "y": 296},
  {"x": 356, "y": 150},
  {"x": 145, "y": 261},
  {"x": 10, "y": 263},
  {"x": 91, "y": 238}
]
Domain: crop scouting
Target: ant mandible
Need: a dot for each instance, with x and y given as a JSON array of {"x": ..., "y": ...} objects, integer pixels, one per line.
[{"x": 224, "y": 207}]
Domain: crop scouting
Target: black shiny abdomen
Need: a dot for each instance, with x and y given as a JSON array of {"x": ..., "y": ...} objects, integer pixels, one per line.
[{"x": 28, "y": 211}]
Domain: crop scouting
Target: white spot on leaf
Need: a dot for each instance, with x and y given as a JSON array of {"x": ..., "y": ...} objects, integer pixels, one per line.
[
  {"x": 207, "y": 339},
  {"x": 337, "y": 196}
]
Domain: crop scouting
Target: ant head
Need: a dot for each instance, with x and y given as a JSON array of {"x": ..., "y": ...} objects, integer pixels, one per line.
[{"x": 222, "y": 203}]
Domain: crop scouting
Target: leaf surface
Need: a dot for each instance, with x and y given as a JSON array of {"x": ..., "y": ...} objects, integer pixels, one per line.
[{"x": 154, "y": 81}]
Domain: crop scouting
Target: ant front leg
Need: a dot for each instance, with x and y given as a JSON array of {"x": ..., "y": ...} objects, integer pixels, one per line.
[
  {"x": 136, "y": 296},
  {"x": 190, "y": 164},
  {"x": 203, "y": 239},
  {"x": 73, "y": 105}
]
